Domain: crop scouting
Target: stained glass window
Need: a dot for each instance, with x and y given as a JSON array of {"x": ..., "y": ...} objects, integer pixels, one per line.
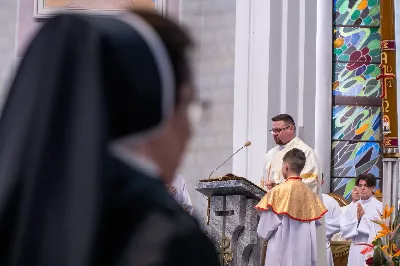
[
  {"x": 356, "y": 12},
  {"x": 356, "y": 107},
  {"x": 352, "y": 81}
]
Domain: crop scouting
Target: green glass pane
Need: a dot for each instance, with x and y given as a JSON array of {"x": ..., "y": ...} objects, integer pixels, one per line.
[
  {"x": 355, "y": 15},
  {"x": 356, "y": 12}
]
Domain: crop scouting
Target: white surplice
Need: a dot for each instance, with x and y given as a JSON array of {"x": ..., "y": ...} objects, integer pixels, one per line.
[
  {"x": 332, "y": 223},
  {"x": 338, "y": 236},
  {"x": 182, "y": 195},
  {"x": 310, "y": 175},
  {"x": 360, "y": 232},
  {"x": 290, "y": 242}
]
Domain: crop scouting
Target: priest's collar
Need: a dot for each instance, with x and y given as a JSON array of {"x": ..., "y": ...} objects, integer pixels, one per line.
[{"x": 281, "y": 147}]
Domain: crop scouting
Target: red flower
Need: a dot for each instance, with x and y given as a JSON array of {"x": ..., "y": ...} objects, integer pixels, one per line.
[
  {"x": 369, "y": 261},
  {"x": 367, "y": 250}
]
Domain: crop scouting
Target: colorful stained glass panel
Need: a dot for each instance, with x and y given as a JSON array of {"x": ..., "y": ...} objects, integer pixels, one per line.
[
  {"x": 356, "y": 12},
  {"x": 356, "y": 123},
  {"x": 356, "y": 79},
  {"x": 343, "y": 186},
  {"x": 351, "y": 158},
  {"x": 353, "y": 44}
]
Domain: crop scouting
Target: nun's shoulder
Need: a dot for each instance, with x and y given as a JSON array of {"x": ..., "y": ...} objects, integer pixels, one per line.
[{"x": 173, "y": 239}]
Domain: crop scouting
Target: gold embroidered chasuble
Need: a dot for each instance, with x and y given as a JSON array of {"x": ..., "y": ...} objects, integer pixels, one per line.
[{"x": 294, "y": 199}]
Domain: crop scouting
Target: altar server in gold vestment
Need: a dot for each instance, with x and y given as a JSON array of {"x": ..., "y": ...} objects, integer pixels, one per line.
[
  {"x": 284, "y": 133},
  {"x": 290, "y": 215}
]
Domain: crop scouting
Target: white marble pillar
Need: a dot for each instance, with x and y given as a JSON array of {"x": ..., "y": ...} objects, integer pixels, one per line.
[
  {"x": 323, "y": 92},
  {"x": 391, "y": 186}
]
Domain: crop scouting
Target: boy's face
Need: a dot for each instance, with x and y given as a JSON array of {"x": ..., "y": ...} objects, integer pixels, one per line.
[
  {"x": 355, "y": 194},
  {"x": 365, "y": 190}
]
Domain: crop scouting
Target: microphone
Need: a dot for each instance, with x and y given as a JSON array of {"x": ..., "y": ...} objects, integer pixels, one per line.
[{"x": 247, "y": 144}]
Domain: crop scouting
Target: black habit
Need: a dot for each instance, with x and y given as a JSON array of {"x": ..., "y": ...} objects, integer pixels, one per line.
[{"x": 83, "y": 83}]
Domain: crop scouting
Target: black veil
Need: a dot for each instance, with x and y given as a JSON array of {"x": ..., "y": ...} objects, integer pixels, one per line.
[{"x": 84, "y": 82}]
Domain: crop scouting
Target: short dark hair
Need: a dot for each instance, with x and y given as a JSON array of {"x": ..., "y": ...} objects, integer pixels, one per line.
[
  {"x": 284, "y": 117},
  {"x": 370, "y": 179},
  {"x": 296, "y": 159},
  {"x": 177, "y": 42}
]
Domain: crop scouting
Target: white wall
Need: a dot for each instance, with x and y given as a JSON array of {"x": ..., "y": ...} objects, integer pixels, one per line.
[
  {"x": 212, "y": 25},
  {"x": 8, "y": 26},
  {"x": 275, "y": 73}
]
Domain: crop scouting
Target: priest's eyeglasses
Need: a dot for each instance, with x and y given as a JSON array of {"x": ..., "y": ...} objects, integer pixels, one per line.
[{"x": 278, "y": 130}]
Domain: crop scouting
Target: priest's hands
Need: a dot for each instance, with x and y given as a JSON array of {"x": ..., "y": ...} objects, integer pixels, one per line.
[
  {"x": 360, "y": 211},
  {"x": 270, "y": 185}
]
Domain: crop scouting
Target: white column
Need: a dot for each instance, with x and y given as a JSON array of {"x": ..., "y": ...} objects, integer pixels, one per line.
[
  {"x": 274, "y": 73},
  {"x": 251, "y": 86},
  {"x": 258, "y": 91},
  {"x": 391, "y": 184},
  {"x": 323, "y": 92},
  {"x": 241, "y": 85}
]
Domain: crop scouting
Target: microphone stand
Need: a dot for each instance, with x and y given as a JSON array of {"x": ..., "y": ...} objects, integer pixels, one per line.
[
  {"x": 225, "y": 161},
  {"x": 248, "y": 143}
]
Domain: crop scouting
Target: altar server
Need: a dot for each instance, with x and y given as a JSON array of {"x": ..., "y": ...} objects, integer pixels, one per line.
[
  {"x": 356, "y": 222},
  {"x": 179, "y": 191},
  {"x": 332, "y": 222},
  {"x": 290, "y": 215}
]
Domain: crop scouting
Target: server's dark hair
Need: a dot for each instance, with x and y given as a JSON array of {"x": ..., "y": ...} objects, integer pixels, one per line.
[
  {"x": 370, "y": 179},
  {"x": 296, "y": 159}
]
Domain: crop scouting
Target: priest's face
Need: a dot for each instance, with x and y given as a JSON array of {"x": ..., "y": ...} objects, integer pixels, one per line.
[
  {"x": 282, "y": 132},
  {"x": 355, "y": 194},
  {"x": 365, "y": 190}
]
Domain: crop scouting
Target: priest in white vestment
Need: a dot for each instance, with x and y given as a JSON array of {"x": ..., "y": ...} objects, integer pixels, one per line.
[
  {"x": 284, "y": 133},
  {"x": 356, "y": 223},
  {"x": 332, "y": 222},
  {"x": 180, "y": 193},
  {"x": 290, "y": 214}
]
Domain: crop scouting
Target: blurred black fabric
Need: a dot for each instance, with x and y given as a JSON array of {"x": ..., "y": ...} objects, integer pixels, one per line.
[
  {"x": 143, "y": 225},
  {"x": 84, "y": 82}
]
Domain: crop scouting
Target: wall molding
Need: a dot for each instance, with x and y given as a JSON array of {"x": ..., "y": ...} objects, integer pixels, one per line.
[{"x": 250, "y": 91}]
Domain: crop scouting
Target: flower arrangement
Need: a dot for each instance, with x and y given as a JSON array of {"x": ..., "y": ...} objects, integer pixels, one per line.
[{"x": 385, "y": 245}]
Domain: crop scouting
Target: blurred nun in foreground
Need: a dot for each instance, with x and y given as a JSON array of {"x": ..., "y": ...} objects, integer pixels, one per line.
[{"x": 88, "y": 89}]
